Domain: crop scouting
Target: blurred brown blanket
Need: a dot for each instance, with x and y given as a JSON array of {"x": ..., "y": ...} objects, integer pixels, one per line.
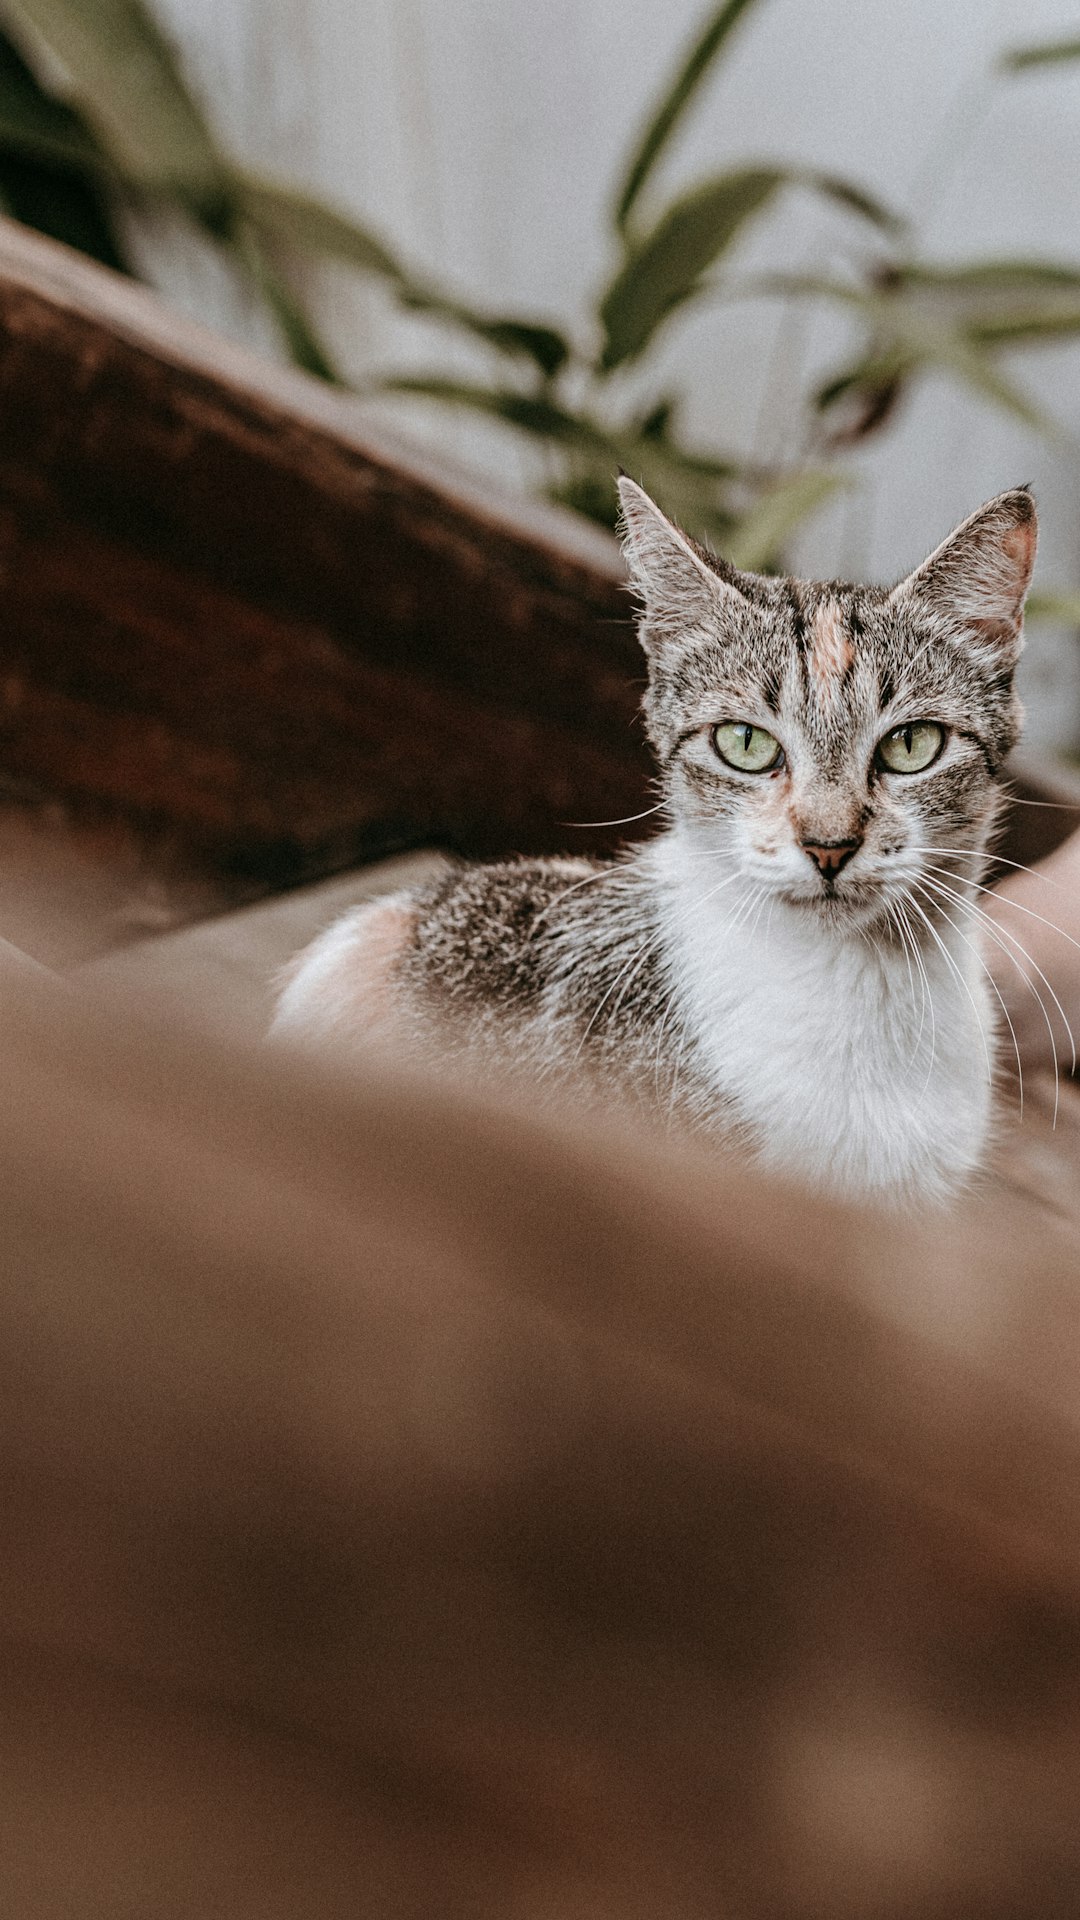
[{"x": 411, "y": 1505}]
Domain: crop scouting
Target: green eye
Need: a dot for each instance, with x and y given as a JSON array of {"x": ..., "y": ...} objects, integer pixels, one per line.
[
  {"x": 910, "y": 748},
  {"x": 749, "y": 749}
]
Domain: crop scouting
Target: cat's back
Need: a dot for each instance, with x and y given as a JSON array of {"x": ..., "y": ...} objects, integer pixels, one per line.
[
  {"x": 492, "y": 936},
  {"x": 532, "y": 944}
]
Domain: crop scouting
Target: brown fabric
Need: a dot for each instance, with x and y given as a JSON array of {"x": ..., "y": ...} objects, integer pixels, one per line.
[{"x": 411, "y": 1504}]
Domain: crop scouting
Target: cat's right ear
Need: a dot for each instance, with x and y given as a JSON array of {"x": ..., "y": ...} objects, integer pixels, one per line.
[
  {"x": 678, "y": 582},
  {"x": 975, "y": 582}
]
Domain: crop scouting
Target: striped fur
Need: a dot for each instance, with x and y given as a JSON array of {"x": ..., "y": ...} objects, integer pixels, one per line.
[{"x": 837, "y": 1024}]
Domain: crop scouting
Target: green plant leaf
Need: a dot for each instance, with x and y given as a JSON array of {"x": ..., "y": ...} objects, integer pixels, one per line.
[
  {"x": 145, "y": 130},
  {"x": 298, "y": 220},
  {"x": 521, "y": 339},
  {"x": 989, "y": 276},
  {"x": 694, "y": 487},
  {"x": 530, "y": 413},
  {"x": 51, "y": 169},
  {"x": 1036, "y": 324},
  {"x": 992, "y": 301},
  {"x": 1051, "y": 53},
  {"x": 305, "y": 348},
  {"x": 879, "y": 368},
  {"x": 884, "y": 370},
  {"x": 676, "y": 99},
  {"x": 1051, "y": 605},
  {"x": 876, "y": 378},
  {"x": 36, "y": 127},
  {"x": 542, "y": 344},
  {"x": 692, "y": 497},
  {"x": 795, "y": 286},
  {"x": 977, "y": 371},
  {"x": 589, "y": 492},
  {"x": 955, "y": 319},
  {"x": 702, "y": 466},
  {"x": 125, "y": 77},
  {"x": 658, "y": 420},
  {"x": 854, "y": 199},
  {"x": 666, "y": 269},
  {"x": 668, "y": 265},
  {"x": 761, "y": 534},
  {"x": 968, "y": 286}
]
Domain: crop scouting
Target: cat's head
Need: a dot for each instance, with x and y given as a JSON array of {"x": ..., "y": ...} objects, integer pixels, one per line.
[{"x": 834, "y": 742}]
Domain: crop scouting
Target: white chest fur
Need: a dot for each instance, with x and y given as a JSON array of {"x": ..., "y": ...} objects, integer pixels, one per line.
[{"x": 852, "y": 1065}]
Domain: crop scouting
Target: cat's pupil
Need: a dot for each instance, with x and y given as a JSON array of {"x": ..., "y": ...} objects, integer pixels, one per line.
[
  {"x": 748, "y": 734},
  {"x": 909, "y": 734}
]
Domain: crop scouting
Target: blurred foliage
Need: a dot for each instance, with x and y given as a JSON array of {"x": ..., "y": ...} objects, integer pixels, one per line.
[
  {"x": 1061, "y": 607},
  {"x": 917, "y": 317},
  {"x": 46, "y": 179},
  {"x": 117, "y": 127},
  {"x": 1048, "y": 54},
  {"x": 96, "y": 118}
]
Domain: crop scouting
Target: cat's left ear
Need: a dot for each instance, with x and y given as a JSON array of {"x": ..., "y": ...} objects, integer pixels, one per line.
[
  {"x": 679, "y": 582},
  {"x": 976, "y": 580}
]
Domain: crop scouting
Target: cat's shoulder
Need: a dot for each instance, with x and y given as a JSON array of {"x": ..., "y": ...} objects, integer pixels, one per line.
[
  {"x": 479, "y": 929},
  {"x": 475, "y": 937}
]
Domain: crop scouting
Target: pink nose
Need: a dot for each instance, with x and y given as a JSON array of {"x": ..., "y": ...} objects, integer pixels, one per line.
[{"x": 830, "y": 855}]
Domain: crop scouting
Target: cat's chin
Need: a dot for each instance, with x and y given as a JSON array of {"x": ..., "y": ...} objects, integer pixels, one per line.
[{"x": 855, "y": 909}]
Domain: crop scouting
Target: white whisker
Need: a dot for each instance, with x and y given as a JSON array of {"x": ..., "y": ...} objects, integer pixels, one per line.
[
  {"x": 676, "y": 1066},
  {"x": 1010, "y": 946},
  {"x": 616, "y": 871},
  {"x": 951, "y": 962},
  {"x": 999, "y": 937},
  {"x": 665, "y": 1021},
  {"x": 927, "y": 990},
  {"x": 633, "y": 965},
  {"x": 744, "y": 910},
  {"x": 636, "y": 959},
  {"x": 768, "y": 897},
  {"x": 1008, "y": 901},
  {"x": 904, "y": 948},
  {"x": 626, "y": 820},
  {"x": 973, "y": 907},
  {"x": 1057, "y": 806},
  {"x": 992, "y": 859},
  {"x": 974, "y": 951}
]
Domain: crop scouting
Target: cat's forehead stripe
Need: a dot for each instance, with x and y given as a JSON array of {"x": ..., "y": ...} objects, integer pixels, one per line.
[{"x": 831, "y": 652}]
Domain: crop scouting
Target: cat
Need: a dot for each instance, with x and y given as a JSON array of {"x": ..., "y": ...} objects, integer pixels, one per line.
[{"x": 793, "y": 961}]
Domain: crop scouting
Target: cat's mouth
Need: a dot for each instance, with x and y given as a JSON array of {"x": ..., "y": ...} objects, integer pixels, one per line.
[{"x": 843, "y": 899}]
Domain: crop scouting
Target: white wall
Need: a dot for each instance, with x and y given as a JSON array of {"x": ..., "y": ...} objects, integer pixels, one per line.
[{"x": 483, "y": 136}]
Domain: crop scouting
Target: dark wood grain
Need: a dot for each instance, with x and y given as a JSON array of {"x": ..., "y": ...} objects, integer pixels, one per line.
[{"x": 223, "y": 614}]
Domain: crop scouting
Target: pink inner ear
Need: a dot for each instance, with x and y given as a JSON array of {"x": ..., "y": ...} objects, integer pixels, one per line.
[
  {"x": 1019, "y": 544},
  {"x": 996, "y": 632}
]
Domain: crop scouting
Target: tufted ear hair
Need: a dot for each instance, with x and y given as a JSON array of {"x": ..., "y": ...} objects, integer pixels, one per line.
[
  {"x": 679, "y": 582},
  {"x": 975, "y": 582}
]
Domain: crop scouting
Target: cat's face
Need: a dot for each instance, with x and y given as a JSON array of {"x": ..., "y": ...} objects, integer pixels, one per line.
[{"x": 834, "y": 743}]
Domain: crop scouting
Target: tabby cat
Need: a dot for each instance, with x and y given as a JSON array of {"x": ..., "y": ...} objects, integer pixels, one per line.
[{"x": 793, "y": 961}]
